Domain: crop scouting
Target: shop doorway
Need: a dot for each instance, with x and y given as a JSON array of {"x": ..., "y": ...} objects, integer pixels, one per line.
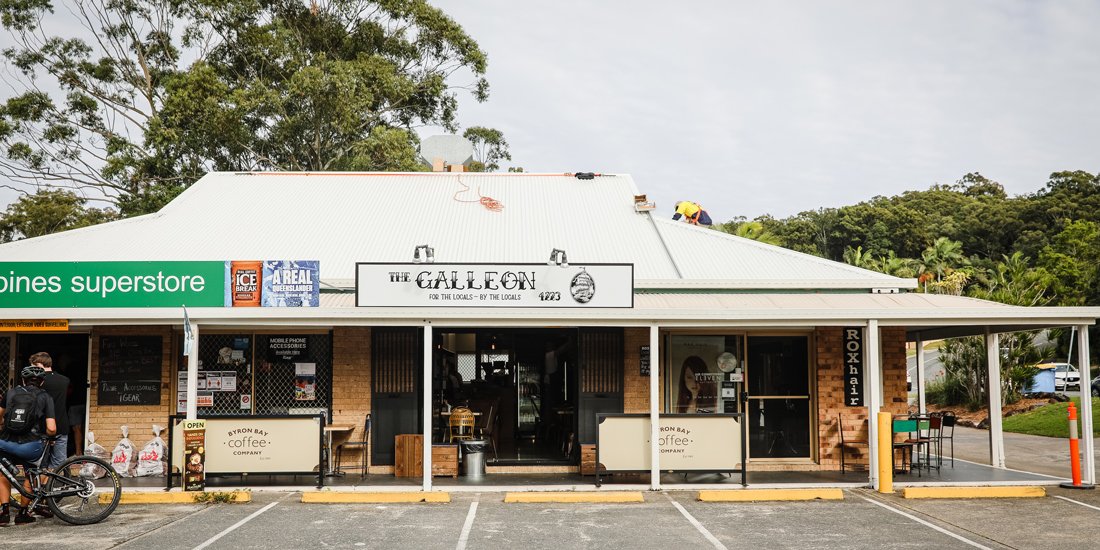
[
  {"x": 521, "y": 385},
  {"x": 779, "y": 402},
  {"x": 70, "y": 357},
  {"x": 396, "y": 359}
]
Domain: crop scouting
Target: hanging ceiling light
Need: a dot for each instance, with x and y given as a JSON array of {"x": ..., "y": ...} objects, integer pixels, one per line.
[
  {"x": 429, "y": 254},
  {"x": 557, "y": 257}
]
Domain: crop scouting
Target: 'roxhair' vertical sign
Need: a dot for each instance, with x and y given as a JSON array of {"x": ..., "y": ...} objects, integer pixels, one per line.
[{"x": 853, "y": 366}]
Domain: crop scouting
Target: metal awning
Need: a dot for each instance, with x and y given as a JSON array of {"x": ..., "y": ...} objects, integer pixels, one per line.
[{"x": 928, "y": 316}]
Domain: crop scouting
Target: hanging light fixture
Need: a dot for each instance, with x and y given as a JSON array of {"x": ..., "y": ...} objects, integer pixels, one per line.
[
  {"x": 429, "y": 254},
  {"x": 557, "y": 257}
]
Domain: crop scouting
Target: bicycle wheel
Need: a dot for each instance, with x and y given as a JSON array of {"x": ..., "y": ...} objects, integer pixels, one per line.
[{"x": 98, "y": 490}]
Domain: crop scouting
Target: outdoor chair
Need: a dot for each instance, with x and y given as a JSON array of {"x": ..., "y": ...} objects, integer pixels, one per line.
[
  {"x": 947, "y": 431},
  {"x": 460, "y": 425},
  {"x": 846, "y": 443},
  {"x": 910, "y": 446},
  {"x": 364, "y": 442},
  {"x": 935, "y": 433},
  {"x": 926, "y": 437},
  {"x": 487, "y": 430}
]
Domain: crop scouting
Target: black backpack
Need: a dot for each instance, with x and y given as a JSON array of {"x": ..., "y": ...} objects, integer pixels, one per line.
[{"x": 22, "y": 416}]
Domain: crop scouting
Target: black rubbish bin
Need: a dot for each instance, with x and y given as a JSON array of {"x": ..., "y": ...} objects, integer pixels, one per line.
[{"x": 473, "y": 459}]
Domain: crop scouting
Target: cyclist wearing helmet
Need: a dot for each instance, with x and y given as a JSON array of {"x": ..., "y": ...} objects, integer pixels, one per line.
[{"x": 20, "y": 442}]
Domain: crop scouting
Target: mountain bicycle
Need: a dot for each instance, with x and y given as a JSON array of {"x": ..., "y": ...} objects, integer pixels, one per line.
[{"x": 82, "y": 490}]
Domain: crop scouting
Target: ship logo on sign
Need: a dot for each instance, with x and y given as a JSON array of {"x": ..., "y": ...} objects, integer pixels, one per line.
[{"x": 583, "y": 287}]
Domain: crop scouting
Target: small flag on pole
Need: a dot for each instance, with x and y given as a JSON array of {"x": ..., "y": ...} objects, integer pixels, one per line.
[{"x": 188, "y": 336}]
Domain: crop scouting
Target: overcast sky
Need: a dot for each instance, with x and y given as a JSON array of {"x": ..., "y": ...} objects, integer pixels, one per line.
[{"x": 779, "y": 107}]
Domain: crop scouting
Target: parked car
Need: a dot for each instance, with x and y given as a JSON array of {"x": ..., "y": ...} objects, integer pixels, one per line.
[
  {"x": 1096, "y": 387},
  {"x": 1066, "y": 376}
]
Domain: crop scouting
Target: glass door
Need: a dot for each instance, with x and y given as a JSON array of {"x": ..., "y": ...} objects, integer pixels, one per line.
[{"x": 779, "y": 404}]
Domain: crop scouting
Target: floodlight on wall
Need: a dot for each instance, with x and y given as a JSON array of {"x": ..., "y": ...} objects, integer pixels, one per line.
[
  {"x": 429, "y": 254},
  {"x": 558, "y": 258}
]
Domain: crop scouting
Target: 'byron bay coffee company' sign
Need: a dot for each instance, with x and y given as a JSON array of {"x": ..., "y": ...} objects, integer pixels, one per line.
[
  {"x": 853, "y": 366},
  {"x": 494, "y": 285}
]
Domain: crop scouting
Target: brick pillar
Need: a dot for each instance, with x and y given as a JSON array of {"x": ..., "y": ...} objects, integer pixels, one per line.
[
  {"x": 351, "y": 389},
  {"x": 895, "y": 394},
  {"x": 635, "y": 386}
]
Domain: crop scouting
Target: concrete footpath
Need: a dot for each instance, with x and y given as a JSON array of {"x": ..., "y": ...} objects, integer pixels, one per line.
[{"x": 1031, "y": 453}]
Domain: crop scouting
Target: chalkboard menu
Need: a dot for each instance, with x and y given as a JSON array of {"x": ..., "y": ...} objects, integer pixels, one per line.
[{"x": 129, "y": 370}]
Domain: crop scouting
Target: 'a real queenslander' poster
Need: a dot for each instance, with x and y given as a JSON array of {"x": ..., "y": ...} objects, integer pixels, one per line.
[{"x": 291, "y": 283}]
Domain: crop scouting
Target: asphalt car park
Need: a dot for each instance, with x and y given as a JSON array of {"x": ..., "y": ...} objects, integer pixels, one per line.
[{"x": 862, "y": 520}]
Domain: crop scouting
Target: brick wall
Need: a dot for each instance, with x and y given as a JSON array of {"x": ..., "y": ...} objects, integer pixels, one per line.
[
  {"x": 351, "y": 389},
  {"x": 895, "y": 394},
  {"x": 830, "y": 392},
  {"x": 106, "y": 421},
  {"x": 635, "y": 386}
]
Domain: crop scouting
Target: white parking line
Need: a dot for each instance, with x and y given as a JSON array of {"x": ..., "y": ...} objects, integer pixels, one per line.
[
  {"x": 922, "y": 522},
  {"x": 466, "y": 527},
  {"x": 230, "y": 529},
  {"x": 1076, "y": 502},
  {"x": 713, "y": 540}
]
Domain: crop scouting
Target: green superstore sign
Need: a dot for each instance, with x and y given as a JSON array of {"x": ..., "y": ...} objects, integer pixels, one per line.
[{"x": 112, "y": 284}]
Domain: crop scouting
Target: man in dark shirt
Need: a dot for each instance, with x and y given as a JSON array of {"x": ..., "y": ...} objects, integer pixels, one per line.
[
  {"x": 25, "y": 446},
  {"x": 57, "y": 385}
]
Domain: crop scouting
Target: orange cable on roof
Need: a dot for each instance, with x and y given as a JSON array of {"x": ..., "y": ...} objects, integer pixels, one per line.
[{"x": 489, "y": 203}]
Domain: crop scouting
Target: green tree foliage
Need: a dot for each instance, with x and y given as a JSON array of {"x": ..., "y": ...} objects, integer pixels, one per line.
[
  {"x": 749, "y": 229},
  {"x": 163, "y": 91},
  {"x": 891, "y": 264},
  {"x": 490, "y": 148},
  {"x": 1073, "y": 258},
  {"x": 940, "y": 260},
  {"x": 49, "y": 211},
  {"x": 857, "y": 257}
]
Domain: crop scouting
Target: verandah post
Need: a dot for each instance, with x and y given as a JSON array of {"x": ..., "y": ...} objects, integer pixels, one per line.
[
  {"x": 654, "y": 413},
  {"x": 426, "y": 396}
]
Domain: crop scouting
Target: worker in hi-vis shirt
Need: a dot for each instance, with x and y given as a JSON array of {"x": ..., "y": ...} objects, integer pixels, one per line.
[{"x": 692, "y": 213}]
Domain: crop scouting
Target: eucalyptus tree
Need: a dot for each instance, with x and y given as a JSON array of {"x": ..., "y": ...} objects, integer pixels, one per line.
[{"x": 147, "y": 95}]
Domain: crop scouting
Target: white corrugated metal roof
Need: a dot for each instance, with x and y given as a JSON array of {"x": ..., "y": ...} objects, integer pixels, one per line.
[
  {"x": 705, "y": 254},
  {"x": 340, "y": 219}
]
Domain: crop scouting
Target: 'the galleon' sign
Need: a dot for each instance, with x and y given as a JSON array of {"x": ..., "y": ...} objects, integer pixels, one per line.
[
  {"x": 494, "y": 285},
  {"x": 853, "y": 366}
]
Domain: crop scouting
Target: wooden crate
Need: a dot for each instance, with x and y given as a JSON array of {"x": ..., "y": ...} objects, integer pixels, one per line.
[
  {"x": 408, "y": 460},
  {"x": 588, "y": 459},
  {"x": 445, "y": 460}
]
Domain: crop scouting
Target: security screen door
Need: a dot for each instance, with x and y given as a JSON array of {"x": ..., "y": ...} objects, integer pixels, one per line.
[
  {"x": 601, "y": 378},
  {"x": 396, "y": 359}
]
